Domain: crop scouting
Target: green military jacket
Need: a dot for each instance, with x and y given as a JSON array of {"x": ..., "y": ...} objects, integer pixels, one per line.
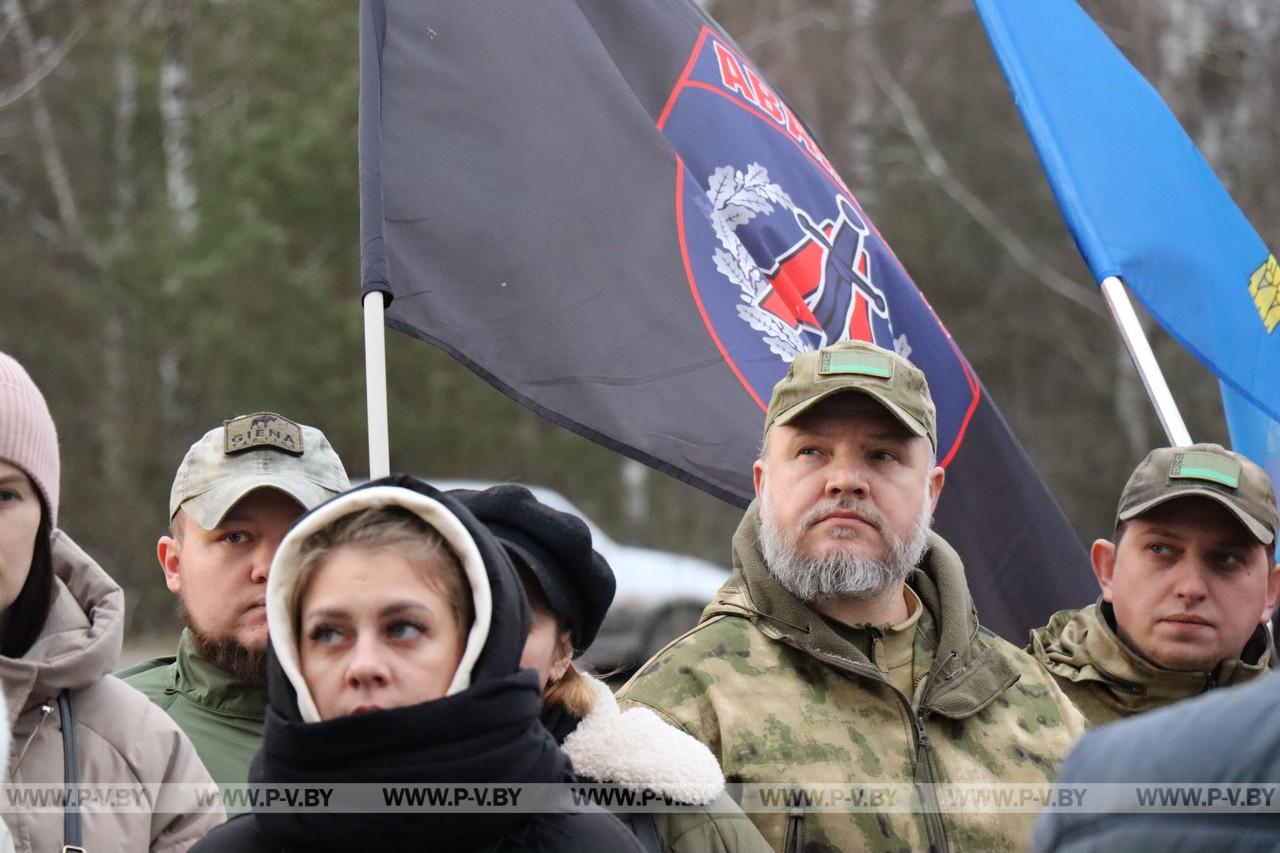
[
  {"x": 781, "y": 697},
  {"x": 1108, "y": 681},
  {"x": 222, "y": 716}
]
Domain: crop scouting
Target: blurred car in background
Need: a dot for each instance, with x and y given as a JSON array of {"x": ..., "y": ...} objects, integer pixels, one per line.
[{"x": 660, "y": 594}]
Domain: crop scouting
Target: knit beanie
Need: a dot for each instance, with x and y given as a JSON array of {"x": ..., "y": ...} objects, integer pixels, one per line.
[{"x": 28, "y": 438}]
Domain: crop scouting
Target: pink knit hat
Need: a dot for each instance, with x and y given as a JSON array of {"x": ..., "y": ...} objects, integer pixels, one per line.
[{"x": 28, "y": 438}]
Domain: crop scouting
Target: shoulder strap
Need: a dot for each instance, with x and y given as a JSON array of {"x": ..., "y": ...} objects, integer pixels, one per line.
[
  {"x": 70, "y": 777},
  {"x": 646, "y": 832}
]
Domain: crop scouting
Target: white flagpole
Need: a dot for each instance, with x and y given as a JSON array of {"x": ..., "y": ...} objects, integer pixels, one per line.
[
  {"x": 1135, "y": 339},
  {"x": 375, "y": 372}
]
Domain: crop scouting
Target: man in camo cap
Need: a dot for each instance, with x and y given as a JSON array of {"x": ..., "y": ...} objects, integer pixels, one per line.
[
  {"x": 844, "y": 649},
  {"x": 1188, "y": 582},
  {"x": 237, "y": 492}
]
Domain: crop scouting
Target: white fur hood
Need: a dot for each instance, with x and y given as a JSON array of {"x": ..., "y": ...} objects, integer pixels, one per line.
[{"x": 639, "y": 750}]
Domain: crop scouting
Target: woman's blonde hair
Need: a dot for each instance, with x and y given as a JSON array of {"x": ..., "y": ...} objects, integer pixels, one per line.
[
  {"x": 400, "y": 531},
  {"x": 571, "y": 691}
]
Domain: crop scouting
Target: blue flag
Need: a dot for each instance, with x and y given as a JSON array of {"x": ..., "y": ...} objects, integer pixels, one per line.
[
  {"x": 1253, "y": 433},
  {"x": 1141, "y": 201}
]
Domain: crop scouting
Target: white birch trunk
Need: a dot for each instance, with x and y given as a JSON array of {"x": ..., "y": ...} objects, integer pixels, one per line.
[{"x": 175, "y": 113}]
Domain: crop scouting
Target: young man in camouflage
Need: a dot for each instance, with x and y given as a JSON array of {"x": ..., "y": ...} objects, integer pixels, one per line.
[
  {"x": 1188, "y": 582},
  {"x": 237, "y": 492},
  {"x": 844, "y": 649}
]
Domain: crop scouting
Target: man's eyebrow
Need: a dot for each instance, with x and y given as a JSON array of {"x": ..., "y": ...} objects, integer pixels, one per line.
[
  {"x": 902, "y": 434},
  {"x": 1165, "y": 531},
  {"x": 887, "y": 433}
]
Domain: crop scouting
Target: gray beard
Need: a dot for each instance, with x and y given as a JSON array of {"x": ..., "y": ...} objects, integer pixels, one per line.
[
  {"x": 840, "y": 574},
  {"x": 227, "y": 654}
]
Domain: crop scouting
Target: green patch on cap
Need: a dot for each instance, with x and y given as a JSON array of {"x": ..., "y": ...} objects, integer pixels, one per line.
[
  {"x": 1194, "y": 465},
  {"x": 856, "y": 363}
]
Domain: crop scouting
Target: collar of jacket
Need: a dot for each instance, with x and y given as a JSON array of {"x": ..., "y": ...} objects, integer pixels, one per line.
[
  {"x": 214, "y": 688},
  {"x": 1082, "y": 646},
  {"x": 639, "y": 750},
  {"x": 967, "y": 673},
  {"x": 81, "y": 638}
]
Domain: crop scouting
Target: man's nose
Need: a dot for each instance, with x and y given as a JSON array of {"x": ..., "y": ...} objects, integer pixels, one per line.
[
  {"x": 847, "y": 475},
  {"x": 1189, "y": 583},
  {"x": 262, "y": 557}
]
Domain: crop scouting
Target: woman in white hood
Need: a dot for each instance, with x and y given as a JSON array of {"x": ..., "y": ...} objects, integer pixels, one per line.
[{"x": 396, "y": 625}]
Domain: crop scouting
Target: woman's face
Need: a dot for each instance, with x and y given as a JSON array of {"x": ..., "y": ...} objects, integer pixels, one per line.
[
  {"x": 546, "y": 649},
  {"x": 20, "y": 512},
  {"x": 375, "y": 634}
]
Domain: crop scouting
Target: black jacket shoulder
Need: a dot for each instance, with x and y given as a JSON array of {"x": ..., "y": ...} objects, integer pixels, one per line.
[
  {"x": 572, "y": 833},
  {"x": 585, "y": 832},
  {"x": 238, "y": 835}
]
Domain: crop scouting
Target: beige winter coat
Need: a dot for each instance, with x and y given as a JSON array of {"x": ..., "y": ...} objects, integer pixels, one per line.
[{"x": 121, "y": 737}]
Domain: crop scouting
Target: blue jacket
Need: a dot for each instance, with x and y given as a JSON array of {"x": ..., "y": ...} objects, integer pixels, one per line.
[{"x": 1228, "y": 737}]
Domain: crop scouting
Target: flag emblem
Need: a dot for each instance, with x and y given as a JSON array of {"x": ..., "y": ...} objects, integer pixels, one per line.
[
  {"x": 779, "y": 256},
  {"x": 819, "y": 291},
  {"x": 1264, "y": 287}
]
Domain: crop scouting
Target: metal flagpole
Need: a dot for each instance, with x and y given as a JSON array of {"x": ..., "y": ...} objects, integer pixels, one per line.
[
  {"x": 1135, "y": 339},
  {"x": 375, "y": 372}
]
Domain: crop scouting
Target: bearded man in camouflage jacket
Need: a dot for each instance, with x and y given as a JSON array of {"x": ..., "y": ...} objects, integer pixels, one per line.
[{"x": 845, "y": 649}]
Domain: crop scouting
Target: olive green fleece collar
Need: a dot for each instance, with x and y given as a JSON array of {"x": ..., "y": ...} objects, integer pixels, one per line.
[
  {"x": 967, "y": 675},
  {"x": 213, "y": 688},
  {"x": 1083, "y": 646}
]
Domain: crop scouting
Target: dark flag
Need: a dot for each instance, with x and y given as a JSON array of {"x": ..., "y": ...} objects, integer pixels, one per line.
[{"x": 604, "y": 209}]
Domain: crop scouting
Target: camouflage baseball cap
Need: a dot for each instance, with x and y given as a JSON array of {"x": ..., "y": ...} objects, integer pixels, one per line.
[
  {"x": 1207, "y": 471},
  {"x": 881, "y": 374},
  {"x": 262, "y": 450}
]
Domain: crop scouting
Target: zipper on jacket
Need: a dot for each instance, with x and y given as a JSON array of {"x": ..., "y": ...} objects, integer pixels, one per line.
[
  {"x": 45, "y": 710},
  {"x": 924, "y": 778},
  {"x": 925, "y": 785},
  {"x": 795, "y": 824}
]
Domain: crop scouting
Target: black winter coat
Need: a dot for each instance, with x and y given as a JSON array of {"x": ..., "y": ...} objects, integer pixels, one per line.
[{"x": 487, "y": 733}]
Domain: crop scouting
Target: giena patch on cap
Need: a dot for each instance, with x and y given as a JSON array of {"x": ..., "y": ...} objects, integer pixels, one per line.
[
  {"x": 875, "y": 364},
  {"x": 1194, "y": 465},
  {"x": 261, "y": 429}
]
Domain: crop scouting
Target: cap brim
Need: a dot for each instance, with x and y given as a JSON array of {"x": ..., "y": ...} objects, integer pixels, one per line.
[
  {"x": 1259, "y": 531},
  {"x": 209, "y": 508},
  {"x": 895, "y": 410}
]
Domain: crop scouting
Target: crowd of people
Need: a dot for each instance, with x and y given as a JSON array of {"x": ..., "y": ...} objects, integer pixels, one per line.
[{"x": 393, "y": 633}]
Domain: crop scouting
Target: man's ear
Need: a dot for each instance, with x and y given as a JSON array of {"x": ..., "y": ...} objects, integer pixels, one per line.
[
  {"x": 937, "y": 477},
  {"x": 1103, "y": 557},
  {"x": 757, "y": 475},
  {"x": 1273, "y": 592},
  {"x": 169, "y": 553}
]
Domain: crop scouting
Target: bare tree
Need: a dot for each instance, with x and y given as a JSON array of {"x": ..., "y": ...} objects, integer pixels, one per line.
[{"x": 55, "y": 166}]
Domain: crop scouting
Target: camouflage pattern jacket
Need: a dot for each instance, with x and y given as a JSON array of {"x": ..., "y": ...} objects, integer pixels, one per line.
[
  {"x": 1108, "y": 681},
  {"x": 780, "y": 697}
]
